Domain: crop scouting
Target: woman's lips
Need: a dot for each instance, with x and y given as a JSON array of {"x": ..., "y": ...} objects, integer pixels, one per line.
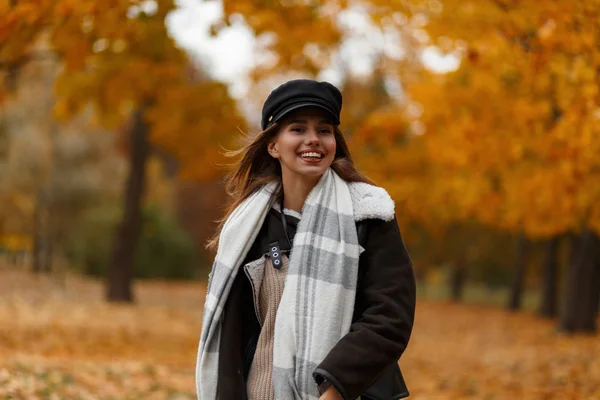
[{"x": 311, "y": 159}]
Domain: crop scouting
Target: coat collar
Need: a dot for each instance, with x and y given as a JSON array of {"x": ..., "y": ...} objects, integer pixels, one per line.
[{"x": 371, "y": 202}]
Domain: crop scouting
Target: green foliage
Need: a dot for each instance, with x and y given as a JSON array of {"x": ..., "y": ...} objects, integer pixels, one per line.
[
  {"x": 90, "y": 244},
  {"x": 486, "y": 254},
  {"x": 493, "y": 271},
  {"x": 164, "y": 250}
]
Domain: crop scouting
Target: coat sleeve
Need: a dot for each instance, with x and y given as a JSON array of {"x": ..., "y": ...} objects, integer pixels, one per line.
[{"x": 379, "y": 336}]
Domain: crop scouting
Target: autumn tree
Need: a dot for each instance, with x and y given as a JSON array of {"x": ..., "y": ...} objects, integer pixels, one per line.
[
  {"x": 119, "y": 60},
  {"x": 514, "y": 127}
]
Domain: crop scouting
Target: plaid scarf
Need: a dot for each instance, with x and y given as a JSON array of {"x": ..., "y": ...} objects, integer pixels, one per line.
[{"x": 318, "y": 299}]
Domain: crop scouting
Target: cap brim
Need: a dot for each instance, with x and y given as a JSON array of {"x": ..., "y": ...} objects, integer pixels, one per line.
[{"x": 296, "y": 106}]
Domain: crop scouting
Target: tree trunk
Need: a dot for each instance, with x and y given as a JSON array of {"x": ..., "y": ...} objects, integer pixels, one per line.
[
  {"x": 591, "y": 285},
  {"x": 516, "y": 290},
  {"x": 595, "y": 285},
  {"x": 596, "y": 288},
  {"x": 549, "y": 297},
  {"x": 40, "y": 261},
  {"x": 48, "y": 256},
  {"x": 598, "y": 299},
  {"x": 582, "y": 287},
  {"x": 36, "y": 261},
  {"x": 120, "y": 271},
  {"x": 457, "y": 280}
]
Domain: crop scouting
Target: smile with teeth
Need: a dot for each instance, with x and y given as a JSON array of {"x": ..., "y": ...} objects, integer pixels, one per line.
[{"x": 311, "y": 155}]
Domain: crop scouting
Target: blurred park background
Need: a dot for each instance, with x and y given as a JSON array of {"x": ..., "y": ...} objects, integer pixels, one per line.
[{"x": 481, "y": 118}]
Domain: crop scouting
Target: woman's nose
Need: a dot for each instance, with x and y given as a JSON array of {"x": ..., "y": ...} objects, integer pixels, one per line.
[{"x": 312, "y": 137}]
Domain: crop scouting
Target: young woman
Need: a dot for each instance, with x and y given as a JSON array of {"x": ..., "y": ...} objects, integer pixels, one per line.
[{"x": 312, "y": 293}]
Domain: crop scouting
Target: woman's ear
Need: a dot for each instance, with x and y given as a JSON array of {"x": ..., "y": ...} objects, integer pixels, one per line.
[{"x": 272, "y": 149}]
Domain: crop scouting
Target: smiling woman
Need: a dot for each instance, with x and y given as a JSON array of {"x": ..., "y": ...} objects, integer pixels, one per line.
[{"x": 312, "y": 293}]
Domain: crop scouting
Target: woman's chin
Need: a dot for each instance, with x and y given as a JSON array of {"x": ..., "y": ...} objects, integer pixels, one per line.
[{"x": 313, "y": 170}]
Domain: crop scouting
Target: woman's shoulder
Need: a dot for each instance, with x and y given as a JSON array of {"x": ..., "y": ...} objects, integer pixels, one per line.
[{"x": 371, "y": 202}]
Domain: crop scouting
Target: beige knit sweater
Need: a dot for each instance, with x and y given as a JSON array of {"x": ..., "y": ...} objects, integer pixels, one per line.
[{"x": 260, "y": 379}]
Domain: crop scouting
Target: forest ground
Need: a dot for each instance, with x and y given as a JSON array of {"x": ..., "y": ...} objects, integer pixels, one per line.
[{"x": 60, "y": 340}]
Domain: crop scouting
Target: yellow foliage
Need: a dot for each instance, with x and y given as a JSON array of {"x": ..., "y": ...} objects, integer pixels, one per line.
[
  {"x": 118, "y": 57},
  {"x": 511, "y": 138},
  {"x": 205, "y": 121},
  {"x": 290, "y": 30},
  {"x": 16, "y": 242}
]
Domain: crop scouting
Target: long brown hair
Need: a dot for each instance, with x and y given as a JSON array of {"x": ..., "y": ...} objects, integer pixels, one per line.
[{"x": 256, "y": 168}]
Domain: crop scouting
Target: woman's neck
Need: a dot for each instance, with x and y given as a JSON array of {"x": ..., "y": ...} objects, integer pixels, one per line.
[{"x": 295, "y": 192}]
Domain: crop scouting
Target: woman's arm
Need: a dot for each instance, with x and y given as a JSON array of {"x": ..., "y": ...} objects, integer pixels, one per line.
[{"x": 381, "y": 334}]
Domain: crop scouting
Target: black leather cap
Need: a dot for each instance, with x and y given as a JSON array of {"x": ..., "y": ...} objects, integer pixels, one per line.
[{"x": 301, "y": 93}]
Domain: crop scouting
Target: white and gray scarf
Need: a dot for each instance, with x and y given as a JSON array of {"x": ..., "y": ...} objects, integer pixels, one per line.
[{"x": 318, "y": 299}]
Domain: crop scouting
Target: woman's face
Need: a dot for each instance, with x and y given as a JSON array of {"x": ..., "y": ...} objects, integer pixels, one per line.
[{"x": 305, "y": 144}]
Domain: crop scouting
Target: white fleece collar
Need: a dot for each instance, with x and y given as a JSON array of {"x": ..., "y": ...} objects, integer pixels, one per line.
[
  {"x": 368, "y": 202},
  {"x": 371, "y": 202}
]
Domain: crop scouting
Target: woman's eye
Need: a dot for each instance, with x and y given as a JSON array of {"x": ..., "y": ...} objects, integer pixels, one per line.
[
  {"x": 326, "y": 131},
  {"x": 297, "y": 129}
]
